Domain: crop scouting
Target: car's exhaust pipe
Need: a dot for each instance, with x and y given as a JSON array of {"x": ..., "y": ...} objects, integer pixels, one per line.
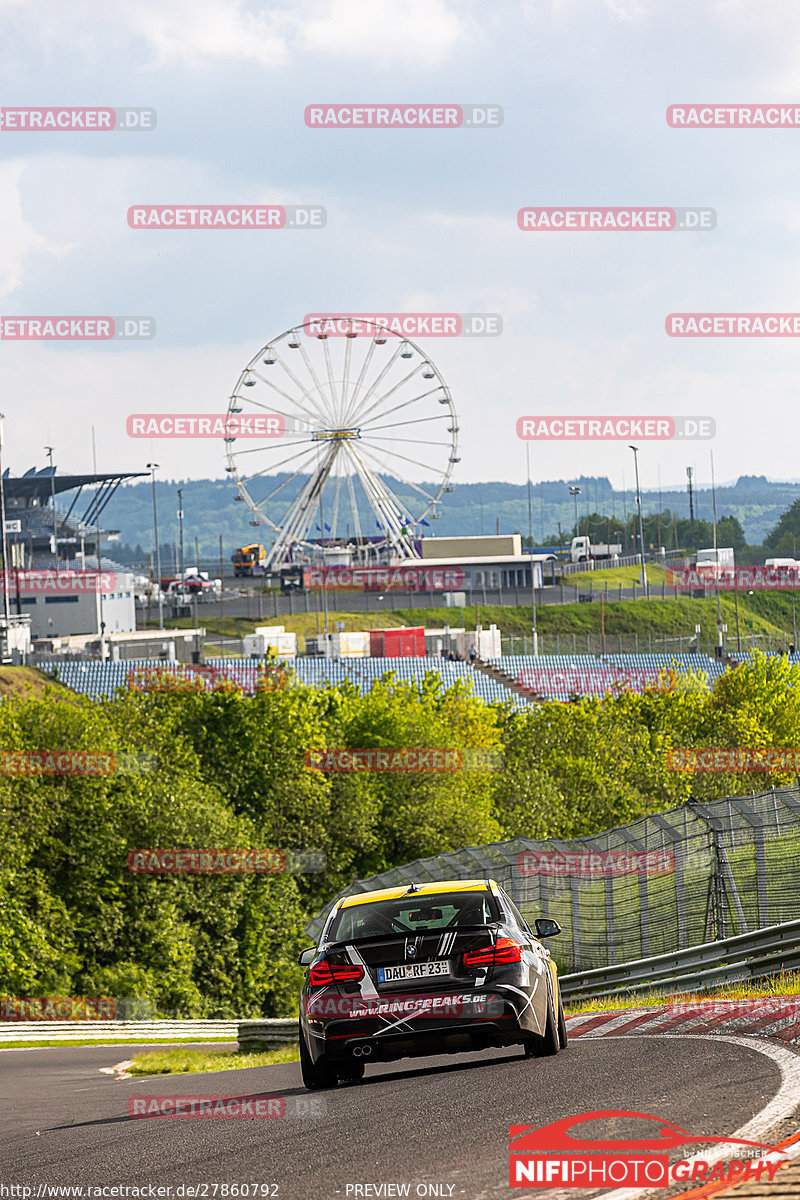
[{"x": 358, "y": 1051}]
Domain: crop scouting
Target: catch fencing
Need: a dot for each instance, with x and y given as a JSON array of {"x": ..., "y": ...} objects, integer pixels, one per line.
[
  {"x": 738, "y": 959},
  {"x": 661, "y": 884}
]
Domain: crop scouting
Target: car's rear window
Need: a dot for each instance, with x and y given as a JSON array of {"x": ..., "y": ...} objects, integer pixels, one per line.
[{"x": 410, "y": 915}]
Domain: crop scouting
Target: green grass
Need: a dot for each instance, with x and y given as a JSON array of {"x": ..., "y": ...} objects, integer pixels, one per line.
[
  {"x": 614, "y": 576},
  {"x": 185, "y": 1062},
  {"x": 787, "y": 983},
  {"x": 672, "y": 617}
]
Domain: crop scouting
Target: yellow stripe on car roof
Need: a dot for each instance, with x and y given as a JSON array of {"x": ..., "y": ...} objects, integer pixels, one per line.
[{"x": 424, "y": 889}]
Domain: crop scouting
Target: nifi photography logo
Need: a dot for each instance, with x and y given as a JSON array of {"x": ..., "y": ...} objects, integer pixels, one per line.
[{"x": 551, "y": 1156}]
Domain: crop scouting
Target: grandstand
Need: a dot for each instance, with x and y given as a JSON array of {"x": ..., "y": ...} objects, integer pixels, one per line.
[
  {"x": 564, "y": 676},
  {"x": 30, "y": 501},
  {"x": 556, "y": 677}
]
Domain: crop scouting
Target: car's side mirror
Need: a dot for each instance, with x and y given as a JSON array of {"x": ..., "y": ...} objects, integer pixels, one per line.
[
  {"x": 308, "y": 956},
  {"x": 546, "y": 928}
]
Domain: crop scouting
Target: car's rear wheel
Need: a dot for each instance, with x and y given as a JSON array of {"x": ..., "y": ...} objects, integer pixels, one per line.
[
  {"x": 543, "y": 1047},
  {"x": 352, "y": 1073},
  {"x": 562, "y": 1022},
  {"x": 316, "y": 1075}
]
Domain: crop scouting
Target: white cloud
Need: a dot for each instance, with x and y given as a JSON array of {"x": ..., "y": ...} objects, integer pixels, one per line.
[
  {"x": 420, "y": 32},
  {"x": 207, "y": 30},
  {"x": 202, "y": 32},
  {"x": 19, "y": 241}
]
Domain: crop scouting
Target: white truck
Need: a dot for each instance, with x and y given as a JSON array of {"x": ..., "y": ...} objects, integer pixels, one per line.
[
  {"x": 582, "y": 550},
  {"x": 721, "y": 557}
]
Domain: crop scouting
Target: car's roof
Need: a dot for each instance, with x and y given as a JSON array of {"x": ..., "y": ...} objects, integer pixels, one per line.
[{"x": 422, "y": 889}]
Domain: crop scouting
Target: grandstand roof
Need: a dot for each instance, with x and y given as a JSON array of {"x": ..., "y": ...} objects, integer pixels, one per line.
[{"x": 42, "y": 483}]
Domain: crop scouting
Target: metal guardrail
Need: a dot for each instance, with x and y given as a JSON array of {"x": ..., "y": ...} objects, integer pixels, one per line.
[
  {"x": 746, "y": 956},
  {"x": 270, "y": 1032},
  {"x": 118, "y": 1031}
]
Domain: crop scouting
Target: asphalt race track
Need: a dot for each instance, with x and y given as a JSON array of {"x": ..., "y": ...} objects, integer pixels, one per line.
[{"x": 438, "y": 1121}]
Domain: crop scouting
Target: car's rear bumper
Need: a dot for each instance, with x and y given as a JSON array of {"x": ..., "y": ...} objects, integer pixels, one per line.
[{"x": 369, "y": 1040}]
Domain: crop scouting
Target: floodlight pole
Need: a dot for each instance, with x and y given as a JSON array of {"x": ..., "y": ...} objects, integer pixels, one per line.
[
  {"x": 635, "y": 450},
  {"x": 49, "y": 452},
  {"x": 6, "y": 612},
  {"x": 152, "y": 468}
]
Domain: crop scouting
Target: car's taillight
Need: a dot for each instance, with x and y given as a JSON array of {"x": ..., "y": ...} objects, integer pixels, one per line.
[
  {"x": 325, "y": 972},
  {"x": 504, "y": 950}
]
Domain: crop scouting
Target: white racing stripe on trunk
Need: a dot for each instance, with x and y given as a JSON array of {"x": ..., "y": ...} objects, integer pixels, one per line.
[
  {"x": 367, "y": 987},
  {"x": 781, "y": 1106}
]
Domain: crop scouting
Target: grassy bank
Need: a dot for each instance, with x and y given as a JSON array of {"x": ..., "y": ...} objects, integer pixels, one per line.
[
  {"x": 186, "y": 1062},
  {"x": 769, "y": 614},
  {"x": 614, "y": 576},
  {"x": 787, "y": 983}
]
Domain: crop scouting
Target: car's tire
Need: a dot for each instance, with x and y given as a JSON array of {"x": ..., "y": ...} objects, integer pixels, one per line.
[
  {"x": 352, "y": 1073},
  {"x": 562, "y": 1023},
  {"x": 316, "y": 1075},
  {"x": 549, "y": 1044}
]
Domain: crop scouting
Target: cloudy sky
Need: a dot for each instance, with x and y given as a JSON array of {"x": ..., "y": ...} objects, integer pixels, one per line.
[{"x": 417, "y": 220}]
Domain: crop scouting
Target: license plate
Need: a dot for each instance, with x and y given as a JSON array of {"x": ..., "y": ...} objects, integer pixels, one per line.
[{"x": 413, "y": 971}]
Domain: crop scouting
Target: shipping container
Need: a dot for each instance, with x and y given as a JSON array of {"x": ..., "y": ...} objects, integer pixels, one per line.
[{"x": 397, "y": 643}]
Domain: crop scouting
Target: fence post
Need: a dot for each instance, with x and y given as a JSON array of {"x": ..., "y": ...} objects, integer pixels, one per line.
[
  {"x": 574, "y": 645},
  {"x": 679, "y": 848},
  {"x": 620, "y": 591},
  {"x": 576, "y": 923},
  {"x": 610, "y": 939}
]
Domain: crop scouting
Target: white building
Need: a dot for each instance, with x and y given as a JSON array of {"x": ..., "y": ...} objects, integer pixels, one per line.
[{"x": 60, "y": 612}]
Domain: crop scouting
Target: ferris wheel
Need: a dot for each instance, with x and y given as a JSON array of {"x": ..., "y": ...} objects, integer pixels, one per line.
[{"x": 369, "y": 443}]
